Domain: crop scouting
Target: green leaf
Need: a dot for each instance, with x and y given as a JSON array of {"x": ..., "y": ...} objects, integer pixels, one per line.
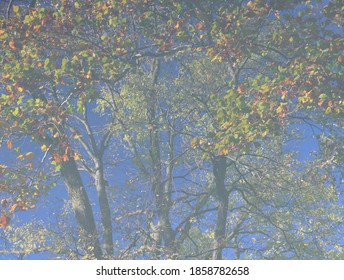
[
  {"x": 15, "y": 112},
  {"x": 46, "y": 64}
]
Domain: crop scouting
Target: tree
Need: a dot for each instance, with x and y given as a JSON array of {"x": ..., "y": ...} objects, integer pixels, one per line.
[{"x": 69, "y": 67}]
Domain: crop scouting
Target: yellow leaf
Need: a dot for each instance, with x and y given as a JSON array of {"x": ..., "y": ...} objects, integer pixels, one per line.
[
  {"x": 44, "y": 147},
  {"x": 15, "y": 9},
  {"x": 37, "y": 27},
  {"x": 214, "y": 58},
  {"x": 194, "y": 142},
  {"x": 77, "y": 156},
  {"x": 77, "y": 136},
  {"x": 29, "y": 155},
  {"x": 21, "y": 157},
  {"x": 88, "y": 76}
]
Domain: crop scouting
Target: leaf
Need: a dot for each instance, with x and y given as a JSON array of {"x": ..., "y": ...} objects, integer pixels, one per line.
[
  {"x": 323, "y": 96},
  {"x": 29, "y": 155},
  {"x": 4, "y": 221},
  {"x": 16, "y": 9},
  {"x": 29, "y": 164},
  {"x": 65, "y": 158},
  {"x": 4, "y": 202},
  {"x": 77, "y": 156},
  {"x": 12, "y": 45},
  {"x": 46, "y": 64},
  {"x": 14, "y": 207},
  {"x": 64, "y": 63},
  {"x": 76, "y": 135},
  {"x": 9, "y": 144},
  {"x": 89, "y": 74},
  {"x": 57, "y": 159},
  {"x": 15, "y": 112},
  {"x": 194, "y": 142},
  {"x": 240, "y": 88},
  {"x": 200, "y": 25},
  {"x": 21, "y": 157}
]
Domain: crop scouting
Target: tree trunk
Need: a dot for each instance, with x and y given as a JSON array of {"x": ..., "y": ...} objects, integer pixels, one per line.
[
  {"x": 219, "y": 170},
  {"x": 164, "y": 235},
  {"x": 101, "y": 184},
  {"x": 82, "y": 208}
]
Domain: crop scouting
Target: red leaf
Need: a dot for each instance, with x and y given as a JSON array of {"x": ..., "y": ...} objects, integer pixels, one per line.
[{"x": 4, "y": 221}]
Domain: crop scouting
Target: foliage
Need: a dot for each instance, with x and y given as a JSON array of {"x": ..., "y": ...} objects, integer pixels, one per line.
[{"x": 175, "y": 86}]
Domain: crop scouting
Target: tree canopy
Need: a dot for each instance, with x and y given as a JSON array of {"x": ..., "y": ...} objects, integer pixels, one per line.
[{"x": 173, "y": 127}]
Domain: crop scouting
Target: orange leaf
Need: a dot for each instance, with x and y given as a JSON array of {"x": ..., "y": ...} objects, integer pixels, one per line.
[
  {"x": 12, "y": 45},
  {"x": 13, "y": 207},
  {"x": 340, "y": 59},
  {"x": 240, "y": 88},
  {"x": 29, "y": 164},
  {"x": 9, "y": 144},
  {"x": 65, "y": 158},
  {"x": 200, "y": 25}
]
